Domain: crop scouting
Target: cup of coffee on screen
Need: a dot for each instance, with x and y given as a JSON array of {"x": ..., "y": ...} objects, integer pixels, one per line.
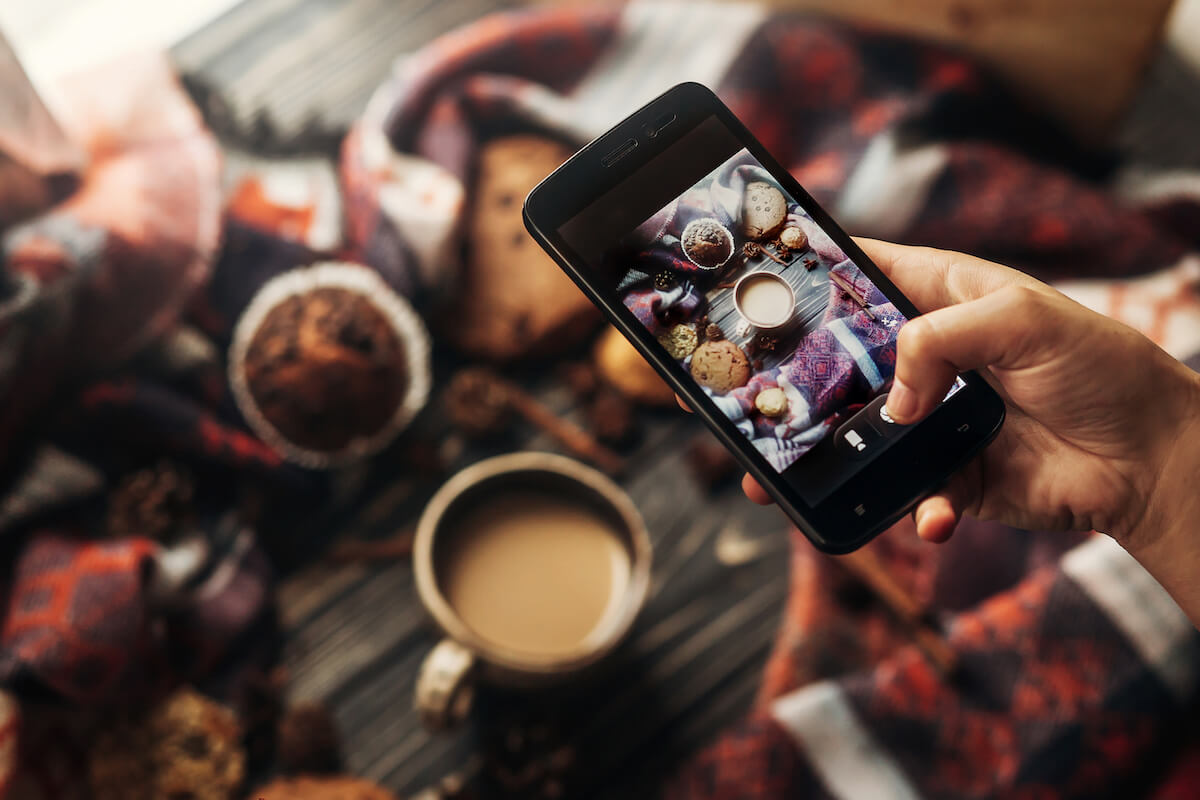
[
  {"x": 534, "y": 567},
  {"x": 765, "y": 300}
]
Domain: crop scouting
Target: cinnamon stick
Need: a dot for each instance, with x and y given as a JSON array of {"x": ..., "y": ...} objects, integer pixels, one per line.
[
  {"x": 852, "y": 293},
  {"x": 395, "y": 547},
  {"x": 502, "y": 396},
  {"x": 568, "y": 434}
]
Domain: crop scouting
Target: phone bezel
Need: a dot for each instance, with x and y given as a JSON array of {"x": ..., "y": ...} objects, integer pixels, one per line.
[{"x": 896, "y": 479}]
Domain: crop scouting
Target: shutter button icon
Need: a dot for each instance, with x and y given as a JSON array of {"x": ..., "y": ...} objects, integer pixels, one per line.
[{"x": 856, "y": 441}]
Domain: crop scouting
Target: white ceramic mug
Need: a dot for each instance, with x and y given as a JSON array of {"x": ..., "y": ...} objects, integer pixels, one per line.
[{"x": 765, "y": 299}]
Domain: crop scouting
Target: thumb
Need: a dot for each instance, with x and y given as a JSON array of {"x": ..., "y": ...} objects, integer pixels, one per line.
[{"x": 1004, "y": 329}]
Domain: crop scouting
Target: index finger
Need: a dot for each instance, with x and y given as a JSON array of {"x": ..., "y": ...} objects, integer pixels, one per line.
[{"x": 934, "y": 279}]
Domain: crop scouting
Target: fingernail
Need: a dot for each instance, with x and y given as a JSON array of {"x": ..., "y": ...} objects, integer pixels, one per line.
[{"x": 901, "y": 402}]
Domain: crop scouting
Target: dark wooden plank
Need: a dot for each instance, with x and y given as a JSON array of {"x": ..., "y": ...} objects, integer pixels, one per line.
[{"x": 812, "y": 298}]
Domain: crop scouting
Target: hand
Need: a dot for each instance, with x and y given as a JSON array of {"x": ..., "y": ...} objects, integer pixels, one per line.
[{"x": 1096, "y": 412}]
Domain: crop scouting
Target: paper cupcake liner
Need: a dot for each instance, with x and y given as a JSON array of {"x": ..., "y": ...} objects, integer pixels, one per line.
[
  {"x": 717, "y": 222},
  {"x": 408, "y": 326}
]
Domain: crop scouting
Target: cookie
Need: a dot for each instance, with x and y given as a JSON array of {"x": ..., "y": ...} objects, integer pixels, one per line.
[
  {"x": 793, "y": 238},
  {"x": 623, "y": 368},
  {"x": 186, "y": 746},
  {"x": 764, "y": 209},
  {"x": 339, "y": 787},
  {"x": 513, "y": 300},
  {"x": 720, "y": 366},
  {"x": 771, "y": 402},
  {"x": 707, "y": 243},
  {"x": 680, "y": 341}
]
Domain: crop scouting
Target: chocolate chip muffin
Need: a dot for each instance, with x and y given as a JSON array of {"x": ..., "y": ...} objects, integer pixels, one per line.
[
  {"x": 707, "y": 243},
  {"x": 328, "y": 364},
  {"x": 325, "y": 368},
  {"x": 340, "y": 787},
  {"x": 185, "y": 747}
]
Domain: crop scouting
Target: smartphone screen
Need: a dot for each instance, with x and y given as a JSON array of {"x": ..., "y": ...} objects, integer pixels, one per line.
[{"x": 754, "y": 302}]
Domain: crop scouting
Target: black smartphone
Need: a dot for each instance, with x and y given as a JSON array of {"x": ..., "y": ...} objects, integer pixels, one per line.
[{"x": 759, "y": 310}]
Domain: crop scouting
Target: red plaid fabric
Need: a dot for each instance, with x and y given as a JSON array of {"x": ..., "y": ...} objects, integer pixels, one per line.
[{"x": 78, "y": 623}]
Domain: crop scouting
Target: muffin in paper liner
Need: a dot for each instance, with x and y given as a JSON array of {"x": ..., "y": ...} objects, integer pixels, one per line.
[
  {"x": 301, "y": 293},
  {"x": 692, "y": 257}
]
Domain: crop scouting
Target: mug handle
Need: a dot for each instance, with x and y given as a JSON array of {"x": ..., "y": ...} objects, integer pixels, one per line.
[{"x": 445, "y": 687}]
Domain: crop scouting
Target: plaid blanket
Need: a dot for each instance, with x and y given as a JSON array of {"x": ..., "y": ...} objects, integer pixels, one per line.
[{"x": 1077, "y": 669}]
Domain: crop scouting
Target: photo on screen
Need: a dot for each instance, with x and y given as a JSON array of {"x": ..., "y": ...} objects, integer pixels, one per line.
[{"x": 786, "y": 335}]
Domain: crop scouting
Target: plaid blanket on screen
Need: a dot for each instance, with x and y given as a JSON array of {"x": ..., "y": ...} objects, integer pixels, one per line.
[{"x": 1077, "y": 669}]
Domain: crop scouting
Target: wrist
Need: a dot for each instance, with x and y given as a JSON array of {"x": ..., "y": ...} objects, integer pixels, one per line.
[{"x": 1165, "y": 538}]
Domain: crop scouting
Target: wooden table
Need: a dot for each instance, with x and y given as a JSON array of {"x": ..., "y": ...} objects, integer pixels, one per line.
[{"x": 356, "y": 633}]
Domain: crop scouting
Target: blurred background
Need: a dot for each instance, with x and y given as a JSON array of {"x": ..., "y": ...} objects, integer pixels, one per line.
[{"x": 166, "y": 160}]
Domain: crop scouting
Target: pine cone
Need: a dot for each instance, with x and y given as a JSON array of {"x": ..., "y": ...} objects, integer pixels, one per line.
[
  {"x": 153, "y": 503},
  {"x": 476, "y": 402}
]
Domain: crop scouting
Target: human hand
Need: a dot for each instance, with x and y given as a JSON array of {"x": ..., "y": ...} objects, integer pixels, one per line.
[{"x": 1096, "y": 412}]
